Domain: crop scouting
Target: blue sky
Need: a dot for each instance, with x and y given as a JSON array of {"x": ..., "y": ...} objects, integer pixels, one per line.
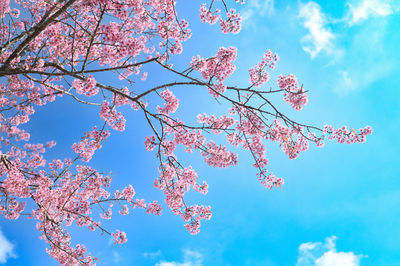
[{"x": 339, "y": 204}]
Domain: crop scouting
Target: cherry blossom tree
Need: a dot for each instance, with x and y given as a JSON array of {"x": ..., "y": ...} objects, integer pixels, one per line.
[{"x": 54, "y": 48}]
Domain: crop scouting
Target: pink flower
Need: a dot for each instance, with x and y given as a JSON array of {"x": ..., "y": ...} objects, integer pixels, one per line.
[
  {"x": 110, "y": 115},
  {"x": 154, "y": 208},
  {"x": 293, "y": 94},
  {"x": 87, "y": 88},
  {"x": 119, "y": 237},
  {"x": 207, "y": 16},
  {"x": 4, "y": 7},
  {"x": 232, "y": 24},
  {"x": 258, "y": 74},
  {"x": 171, "y": 103}
]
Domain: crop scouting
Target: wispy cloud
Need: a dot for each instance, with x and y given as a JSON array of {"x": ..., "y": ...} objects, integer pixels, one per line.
[
  {"x": 369, "y": 8},
  {"x": 256, "y": 8},
  {"x": 347, "y": 84},
  {"x": 116, "y": 257},
  {"x": 190, "y": 258},
  {"x": 354, "y": 78},
  {"x": 325, "y": 254},
  {"x": 152, "y": 255},
  {"x": 320, "y": 38},
  {"x": 6, "y": 249},
  {"x": 369, "y": 57},
  {"x": 359, "y": 54}
]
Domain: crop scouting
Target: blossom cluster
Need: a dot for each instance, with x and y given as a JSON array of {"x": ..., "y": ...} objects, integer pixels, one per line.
[
  {"x": 64, "y": 48},
  {"x": 232, "y": 23},
  {"x": 175, "y": 182},
  {"x": 87, "y": 88},
  {"x": 113, "y": 118},
  {"x": 90, "y": 143},
  {"x": 219, "y": 67},
  {"x": 207, "y": 16},
  {"x": 171, "y": 102},
  {"x": 258, "y": 74},
  {"x": 217, "y": 124},
  {"x": 344, "y": 135},
  {"x": 294, "y": 94}
]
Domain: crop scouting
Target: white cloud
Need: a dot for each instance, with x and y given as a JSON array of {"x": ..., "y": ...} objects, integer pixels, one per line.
[
  {"x": 325, "y": 254},
  {"x": 190, "y": 258},
  {"x": 360, "y": 76},
  {"x": 116, "y": 257},
  {"x": 256, "y": 7},
  {"x": 332, "y": 258},
  {"x": 368, "y": 59},
  {"x": 319, "y": 37},
  {"x": 6, "y": 249},
  {"x": 152, "y": 255},
  {"x": 369, "y": 8},
  {"x": 347, "y": 84}
]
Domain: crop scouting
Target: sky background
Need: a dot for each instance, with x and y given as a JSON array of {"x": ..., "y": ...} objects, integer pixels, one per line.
[{"x": 339, "y": 204}]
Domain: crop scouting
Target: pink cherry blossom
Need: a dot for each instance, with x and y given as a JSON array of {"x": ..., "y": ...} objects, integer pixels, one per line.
[
  {"x": 171, "y": 102},
  {"x": 98, "y": 53}
]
